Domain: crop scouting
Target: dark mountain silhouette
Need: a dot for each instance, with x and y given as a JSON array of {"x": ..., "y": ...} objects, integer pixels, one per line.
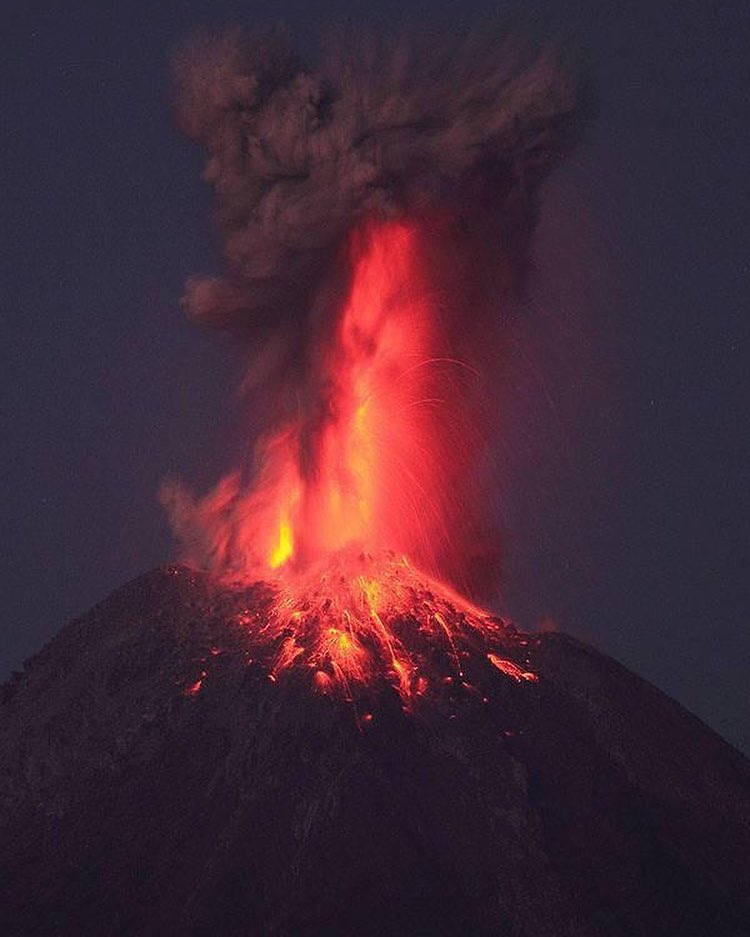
[{"x": 154, "y": 781}]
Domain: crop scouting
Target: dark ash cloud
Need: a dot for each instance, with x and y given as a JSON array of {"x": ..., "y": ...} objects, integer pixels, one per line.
[{"x": 299, "y": 154}]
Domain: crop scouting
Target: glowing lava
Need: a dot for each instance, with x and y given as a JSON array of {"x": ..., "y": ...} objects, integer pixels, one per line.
[
  {"x": 356, "y": 466},
  {"x": 352, "y": 485},
  {"x": 354, "y": 618}
]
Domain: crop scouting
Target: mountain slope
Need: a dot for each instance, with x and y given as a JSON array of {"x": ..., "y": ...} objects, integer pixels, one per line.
[{"x": 153, "y": 780}]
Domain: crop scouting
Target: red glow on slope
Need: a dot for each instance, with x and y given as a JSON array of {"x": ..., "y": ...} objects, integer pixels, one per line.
[{"x": 355, "y": 617}]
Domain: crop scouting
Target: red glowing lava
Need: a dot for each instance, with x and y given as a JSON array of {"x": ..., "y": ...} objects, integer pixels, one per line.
[
  {"x": 354, "y": 617},
  {"x": 354, "y": 484}
]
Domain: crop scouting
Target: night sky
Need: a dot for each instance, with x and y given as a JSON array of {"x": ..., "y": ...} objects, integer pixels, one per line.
[{"x": 625, "y": 463}]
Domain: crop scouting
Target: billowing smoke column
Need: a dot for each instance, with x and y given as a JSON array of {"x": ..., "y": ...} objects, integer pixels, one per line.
[{"x": 375, "y": 212}]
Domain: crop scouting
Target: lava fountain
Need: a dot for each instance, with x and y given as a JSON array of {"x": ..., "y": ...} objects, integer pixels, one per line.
[
  {"x": 376, "y": 212},
  {"x": 350, "y": 494}
]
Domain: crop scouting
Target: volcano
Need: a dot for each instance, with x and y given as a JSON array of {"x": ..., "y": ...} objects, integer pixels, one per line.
[
  {"x": 307, "y": 729},
  {"x": 170, "y": 764}
]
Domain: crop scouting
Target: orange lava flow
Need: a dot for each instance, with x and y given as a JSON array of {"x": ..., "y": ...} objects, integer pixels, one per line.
[
  {"x": 511, "y": 669},
  {"x": 355, "y": 617},
  {"x": 352, "y": 486}
]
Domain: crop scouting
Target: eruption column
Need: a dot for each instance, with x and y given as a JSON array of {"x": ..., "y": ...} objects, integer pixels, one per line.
[{"x": 376, "y": 214}]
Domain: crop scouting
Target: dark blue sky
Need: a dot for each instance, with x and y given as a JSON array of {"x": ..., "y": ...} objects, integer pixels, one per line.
[{"x": 626, "y": 466}]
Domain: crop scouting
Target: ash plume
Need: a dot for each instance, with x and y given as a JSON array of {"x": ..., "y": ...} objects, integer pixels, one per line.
[{"x": 299, "y": 154}]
